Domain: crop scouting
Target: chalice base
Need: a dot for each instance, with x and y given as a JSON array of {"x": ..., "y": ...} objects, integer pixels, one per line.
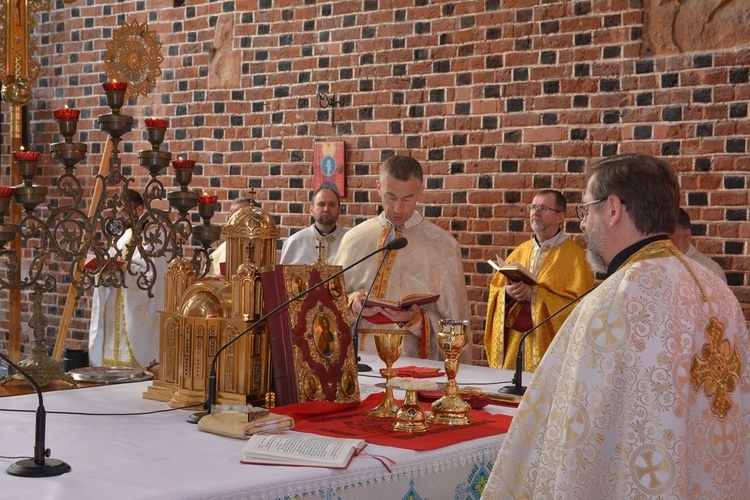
[
  {"x": 386, "y": 409},
  {"x": 450, "y": 410},
  {"x": 411, "y": 416}
]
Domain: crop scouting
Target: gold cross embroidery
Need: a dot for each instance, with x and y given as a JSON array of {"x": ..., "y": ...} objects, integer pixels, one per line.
[{"x": 717, "y": 369}]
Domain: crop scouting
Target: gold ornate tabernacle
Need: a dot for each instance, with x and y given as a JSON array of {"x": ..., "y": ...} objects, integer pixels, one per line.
[{"x": 201, "y": 316}]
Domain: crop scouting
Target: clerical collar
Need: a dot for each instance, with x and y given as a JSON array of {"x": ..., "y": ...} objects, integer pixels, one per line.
[
  {"x": 621, "y": 257},
  {"x": 315, "y": 226},
  {"x": 413, "y": 220},
  {"x": 558, "y": 238}
]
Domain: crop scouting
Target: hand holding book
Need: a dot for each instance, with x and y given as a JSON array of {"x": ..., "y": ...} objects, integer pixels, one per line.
[{"x": 391, "y": 308}]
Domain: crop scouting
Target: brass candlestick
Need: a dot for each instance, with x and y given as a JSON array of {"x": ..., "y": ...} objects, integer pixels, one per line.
[
  {"x": 451, "y": 409},
  {"x": 389, "y": 349}
]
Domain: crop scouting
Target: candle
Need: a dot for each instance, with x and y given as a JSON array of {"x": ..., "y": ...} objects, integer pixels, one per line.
[
  {"x": 26, "y": 155},
  {"x": 67, "y": 114},
  {"x": 180, "y": 164},
  {"x": 115, "y": 86},
  {"x": 208, "y": 199},
  {"x": 6, "y": 192},
  {"x": 156, "y": 123}
]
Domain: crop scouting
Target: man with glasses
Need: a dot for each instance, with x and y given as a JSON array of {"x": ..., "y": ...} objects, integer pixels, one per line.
[
  {"x": 644, "y": 392},
  {"x": 514, "y": 306}
]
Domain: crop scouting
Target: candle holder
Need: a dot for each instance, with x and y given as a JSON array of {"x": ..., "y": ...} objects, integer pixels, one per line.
[
  {"x": 67, "y": 122},
  {"x": 72, "y": 234},
  {"x": 207, "y": 234},
  {"x": 155, "y": 130},
  {"x": 451, "y": 409},
  {"x": 115, "y": 93},
  {"x": 154, "y": 160}
]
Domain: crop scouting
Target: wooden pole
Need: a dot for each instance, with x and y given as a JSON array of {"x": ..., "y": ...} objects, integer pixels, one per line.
[
  {"x": 70, "y": 301},
  {"x": 14, "y": 295}
]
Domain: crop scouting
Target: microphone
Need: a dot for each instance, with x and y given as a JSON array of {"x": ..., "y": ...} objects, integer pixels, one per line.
[
  {"x": 39, "y": 466},
  {"x": 397, "y": 243},
  {"x": 516, "y": 389}
]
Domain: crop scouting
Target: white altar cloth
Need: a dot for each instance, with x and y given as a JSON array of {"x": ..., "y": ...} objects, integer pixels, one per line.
[{"x": 162, "y": 456}]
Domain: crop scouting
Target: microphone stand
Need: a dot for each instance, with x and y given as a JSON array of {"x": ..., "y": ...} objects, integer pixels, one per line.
[
  {"x": 361, "y": 367},
  {"x": 211, "y": 400},
  {"x": 517, "y": 389},
  {"x": 39, "y": 466}
]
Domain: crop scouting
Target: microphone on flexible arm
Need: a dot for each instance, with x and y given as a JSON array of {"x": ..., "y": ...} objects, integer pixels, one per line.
[
  {"x": 517, "y": 389},
  {"x": 397, "y": 243},
  {"x": 39, "y": 466}
]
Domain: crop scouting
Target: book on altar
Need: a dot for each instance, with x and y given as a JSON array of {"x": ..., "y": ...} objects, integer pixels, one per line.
[
  {"x": 406, "y": 301},
  {"x": 516, "y": 272},
  {"x": 312, "y": 352},
  {"x": 302, "y": 450}
]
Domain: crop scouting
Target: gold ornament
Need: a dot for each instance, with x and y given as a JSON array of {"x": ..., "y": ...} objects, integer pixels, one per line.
[{"x": 134, "y": 56}]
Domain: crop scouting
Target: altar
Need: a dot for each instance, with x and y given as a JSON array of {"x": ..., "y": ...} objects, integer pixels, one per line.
[{"x": 152, "y": 452}]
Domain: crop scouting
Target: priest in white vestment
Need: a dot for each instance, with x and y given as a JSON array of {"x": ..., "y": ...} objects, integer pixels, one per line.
[
  {"x": 124, "y": 330},
  {"x": 645, "y": 390},
  {"x": 320, "y": 240},
  {"x": 430, "y": 263}
]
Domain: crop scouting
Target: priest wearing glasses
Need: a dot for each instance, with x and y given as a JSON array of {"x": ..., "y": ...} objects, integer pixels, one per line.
[{"x": 514, "y": 307}]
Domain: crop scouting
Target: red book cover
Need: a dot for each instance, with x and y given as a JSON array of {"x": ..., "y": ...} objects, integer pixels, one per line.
[
  {"x": 329, "y": 166},
  {"x": 311, "y": 344}
]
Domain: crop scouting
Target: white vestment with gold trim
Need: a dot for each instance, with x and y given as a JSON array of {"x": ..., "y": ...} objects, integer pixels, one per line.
[{"x": 644, "y": 393}]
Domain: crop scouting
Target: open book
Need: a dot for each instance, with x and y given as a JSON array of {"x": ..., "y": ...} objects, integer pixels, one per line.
[
  {"x": 304, "y": 450},
  {"x": 406, "y": 301},
  {"x": 516, "y": 272}
]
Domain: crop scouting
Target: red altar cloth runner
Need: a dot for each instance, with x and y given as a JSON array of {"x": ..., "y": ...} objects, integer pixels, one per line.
[
  {"x": 416, "y": 372},
  {"x": 339, "y": 420}
]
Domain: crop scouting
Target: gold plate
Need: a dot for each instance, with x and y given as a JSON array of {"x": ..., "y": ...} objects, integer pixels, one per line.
[{"x": 504, "y": 398}]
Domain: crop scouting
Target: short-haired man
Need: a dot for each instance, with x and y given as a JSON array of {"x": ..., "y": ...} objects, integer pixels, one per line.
[
  {"x": 322, "y": 238},
  {"x": 562, "y": 275},
  {"x": 430, "y": 263},
  {"x": 644, "y": 392},
  {"x": 683, "y": 239},
  {"x": 219, "y": 256}
]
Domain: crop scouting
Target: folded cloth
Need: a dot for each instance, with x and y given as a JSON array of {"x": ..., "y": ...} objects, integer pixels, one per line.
[
  {"x": 415, "y": 372},
  {"x": 234, "y": 424}
]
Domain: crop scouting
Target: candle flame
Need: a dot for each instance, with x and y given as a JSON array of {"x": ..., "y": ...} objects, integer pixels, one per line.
[{"x": 22, "y": 148}]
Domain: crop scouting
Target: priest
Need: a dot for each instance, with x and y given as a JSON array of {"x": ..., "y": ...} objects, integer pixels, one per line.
[
  {"x": 430, "y": 263},
  {"x": 562, "y": 273},
  {"x": 645, "y": 390}
]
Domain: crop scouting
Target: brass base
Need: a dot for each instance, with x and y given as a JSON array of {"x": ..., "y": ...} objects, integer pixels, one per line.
[
  {"x": 411, "y": 416},
  {"x": 386, "y": 409},
  {"x": 450, "y": 410},
  {"x": 42, "y": 369}
]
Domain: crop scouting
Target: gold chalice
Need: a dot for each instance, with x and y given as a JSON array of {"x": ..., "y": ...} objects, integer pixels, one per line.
[
  {"x": 389, "y": 349},
  {"x": 451, "y": 409}
]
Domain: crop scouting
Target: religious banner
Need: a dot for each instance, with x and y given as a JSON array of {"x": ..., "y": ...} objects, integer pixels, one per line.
[{"x": 329, "y": 166}]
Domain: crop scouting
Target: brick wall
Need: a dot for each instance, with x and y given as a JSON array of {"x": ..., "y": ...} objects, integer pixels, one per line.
[{"x": 496, "y": 99}]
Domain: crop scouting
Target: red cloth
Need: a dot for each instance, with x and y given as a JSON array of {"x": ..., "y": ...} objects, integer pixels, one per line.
[
  {"x": 415, "y": 372},
  {"x": 339, "y": 420}
]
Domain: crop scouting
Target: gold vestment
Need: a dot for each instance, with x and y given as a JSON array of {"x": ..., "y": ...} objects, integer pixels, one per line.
[{"x": 563, "y": 275}]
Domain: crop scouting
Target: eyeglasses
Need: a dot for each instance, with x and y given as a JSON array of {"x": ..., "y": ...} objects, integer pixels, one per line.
[
  {"x": 541, "y": 208},
  {"x": 582, "y": 211}
]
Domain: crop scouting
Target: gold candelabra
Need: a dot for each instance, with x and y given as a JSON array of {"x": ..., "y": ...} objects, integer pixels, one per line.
[{"x": 76, "y": 237}]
